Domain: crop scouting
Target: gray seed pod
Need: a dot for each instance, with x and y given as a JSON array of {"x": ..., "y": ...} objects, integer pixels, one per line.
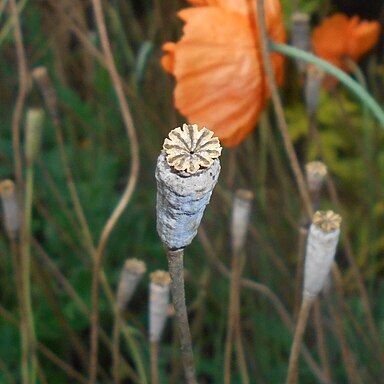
[
  {"x": 187, "y": 171},
  {"x": 301, "y": 36},
  {"x": 315, "y": 172},
  {"x": 312, "y": 88},
  {"x": 158, "y": 304},
  {"x": 131, "y": 275},
  {"x": 33, "y": 128},
  {"x": 241, "y": 212},
  {"x": 322, "y": 241},
  {"x": 10, "y": 208}
]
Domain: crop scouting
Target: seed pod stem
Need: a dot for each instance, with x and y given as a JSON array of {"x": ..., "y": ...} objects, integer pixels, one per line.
[
  {"x": 158, "y": 313},
  {"x": 320, "y": 252},
  {"x": 305, "y": 308},
  {"x": 176, "y": 270},
  {"x": 187, "y": 171}
]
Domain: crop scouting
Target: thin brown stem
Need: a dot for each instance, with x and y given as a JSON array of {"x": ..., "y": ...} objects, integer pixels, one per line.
[
  {"x": 233, "y": 331},
  {"x": 293, "y": 366},
  {"x": 72, "y": 373},
  {"x": 279, "y": 109},
  {"x": 128, "y": 121},
  {"x": 318, "y": 320},
  {"x": 351, "y": 257},
  {"x": 18, "y": 165},
  {"x": 176, "y": 270},
  {"x": 154, "y": 362},
  {"x": 266, "y": 292},
  {"x": 116, "y": 348}
]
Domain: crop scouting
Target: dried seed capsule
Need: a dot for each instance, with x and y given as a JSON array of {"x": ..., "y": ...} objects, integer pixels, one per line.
[
  {"x": 187, "y": 171},
  {"x": 131, "y": 275},
  {"x": 10, "y": 208},
  {"x": 313, "y": 81},
  {"x": 301, "y": 35},
  {"x": 33, "y": 128},
  {"x": 41, "y": 76},
  {"x": 315, "y": 172},
  {"x": 241, "y": 211},
  {"x": 321, "y": 247},
  {"x": 158, "y": 303}
]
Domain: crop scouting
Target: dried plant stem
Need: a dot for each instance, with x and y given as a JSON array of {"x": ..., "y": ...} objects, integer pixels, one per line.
[
  {"x": 47, "y": 352},
  {"x": 116, "y": 348},
  {"x": 65, "y": 284},
  {"x": 233, "y": 331},
  {"x": 23, "y": 84},
  {"x": 266, "y": 292},
  {"x": 303, "y": 233},
  {"x": 293, "y": 366},
  {"x": 176, "y": 270},
  {"x": 23, "y": 321},
  {"x": 351, "y": 257},
  {"x": 337, "y": 315},
  {"x": 279, "y": 110},
  {"x": 154, "y": 362},
  {"x": 26, "y": 271},
  {"x": 98, "y": 11},
  {"x": 318, "y": 320}
]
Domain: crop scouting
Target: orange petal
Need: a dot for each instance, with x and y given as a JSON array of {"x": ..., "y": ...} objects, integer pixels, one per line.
[
  {"x": 363, "y": 37},
  {"x": 219, "y": 82},
  {"x": 329, "y": 40},
  {"x": 168, "y": 60}
]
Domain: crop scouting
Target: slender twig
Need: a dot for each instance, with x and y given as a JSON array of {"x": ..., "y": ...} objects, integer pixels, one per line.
[
  {"x": 318, "y": 321},
  {"x": 23, "y": 84},
  {"x": 176, "y": 270},
  {"x": 26, "y": 270},
  {"x": 233, "y": 331},
  {"x": 66, "y": 285},
  {"x": 116, "y": 348},
  {"x": 266, "y": 292},
  {"x": 155, "y": 362},
  {"x": 351, "y": 258},
  {"x": 279, "y": 109},
  {"x": 47, "y": 352},
  {"x": 98, "y": 11},
  {"x": 297, "y": 339}
]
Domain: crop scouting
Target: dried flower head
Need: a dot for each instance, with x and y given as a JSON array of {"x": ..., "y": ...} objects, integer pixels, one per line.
[
  {"x": 327, "y": 220},
  {"x": 10, "y": 207},
  {"x": 190, "y": 149},
  {"x": 160, "y": 278},
  {"x": 135, "y": 266},
  {"x": 130, "y": 277}
]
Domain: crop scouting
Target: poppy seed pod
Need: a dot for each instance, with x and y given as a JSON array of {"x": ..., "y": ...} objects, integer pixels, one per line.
[
  {"x": 313, "y": 81},
  {"x": 33, "y": 128},
  {"x": 158, "y": 303},
  {"x": 41, "y": 76},
  {"x": 241, "y": 211},
  {"x": 301, "y": 35},
  {"x": 131, "y": 274},
  {"x": 315, "y": 172},
  {"x": 187, "y": 171},
  {"x": 322, "y": 241},
  {"x": 10, "y": 208}
]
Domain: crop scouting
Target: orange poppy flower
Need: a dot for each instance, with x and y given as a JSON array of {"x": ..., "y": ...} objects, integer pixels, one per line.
[
  {"x": 220, "y": 82},
  {"x": 339, "y": 36}
]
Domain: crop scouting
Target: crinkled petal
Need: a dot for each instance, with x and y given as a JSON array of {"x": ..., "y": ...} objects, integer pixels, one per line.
[
  {"x": 363, "y": 37},
  {"x": 168, "y": 60}
]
